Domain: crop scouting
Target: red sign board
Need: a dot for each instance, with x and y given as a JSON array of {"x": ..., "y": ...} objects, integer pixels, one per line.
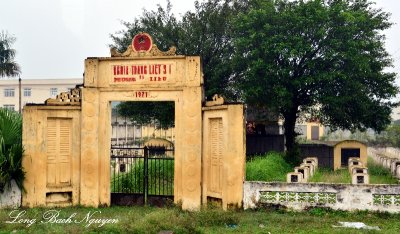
[
  {"x": 143, "y": 72},
  {"x": 142, "y": 42}
]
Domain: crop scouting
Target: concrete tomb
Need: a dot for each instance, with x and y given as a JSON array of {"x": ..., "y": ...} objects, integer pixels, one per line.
[
  {"x": 294, "y": 177},
  {"x": 310, "y": 167},
  {"x": 359, "y": 169},
  {"x": 397, "y": 172},
  {"x": 305, "y": 171},
  {"x": 312, "y": 160},
  {"x": 354, "y": 162},
  {"x": 388, "y": 163},
  {"x": 393, "y": 166},
  {"x": 360, "y": 178}
]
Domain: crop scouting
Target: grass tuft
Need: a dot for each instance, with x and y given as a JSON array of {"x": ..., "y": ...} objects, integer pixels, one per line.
[
  {"x": 269, "y": 167},
  {"x": 378, "y": 174},
  {"x": 153, "y": 220},
  {"x": 327, "y": 175}
]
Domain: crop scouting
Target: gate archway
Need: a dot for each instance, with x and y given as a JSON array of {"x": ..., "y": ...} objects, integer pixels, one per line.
[
  {"x": 148, "y": 75},
  {"x": 76, "y": 169}
]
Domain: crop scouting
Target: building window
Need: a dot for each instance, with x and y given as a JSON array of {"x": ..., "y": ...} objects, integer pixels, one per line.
[
  {"x": 9, "y": 92},
  {"x": 27, "y": 92},
  {"x": 10, "y": 107},
  {"x": 53, "y": 92}
]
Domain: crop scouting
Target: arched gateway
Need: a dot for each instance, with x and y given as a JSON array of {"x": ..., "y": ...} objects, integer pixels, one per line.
[{"x": 67, "y": 139}]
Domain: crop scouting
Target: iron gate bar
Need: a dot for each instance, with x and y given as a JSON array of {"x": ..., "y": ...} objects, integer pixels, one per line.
[{"x": 148, "y": 174}]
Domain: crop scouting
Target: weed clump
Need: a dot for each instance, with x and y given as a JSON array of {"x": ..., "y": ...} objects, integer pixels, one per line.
[{"x": 269, "y": 167}]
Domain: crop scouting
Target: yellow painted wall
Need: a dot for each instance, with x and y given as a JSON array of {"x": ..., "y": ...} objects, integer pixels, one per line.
[
  {"x": 224, "y": 154},
  {"x": 52, "y": 155},
  {"x": 313, "y": 124},
  {"x": 347, "y": 144}
]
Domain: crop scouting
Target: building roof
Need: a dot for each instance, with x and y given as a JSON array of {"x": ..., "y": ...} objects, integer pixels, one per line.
[{"x": 333, "y": 143}]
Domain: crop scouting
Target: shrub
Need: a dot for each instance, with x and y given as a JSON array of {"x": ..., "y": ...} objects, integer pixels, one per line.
[
  {"x": 269, "y": 167},
  {"x": 11, "y": 150}
]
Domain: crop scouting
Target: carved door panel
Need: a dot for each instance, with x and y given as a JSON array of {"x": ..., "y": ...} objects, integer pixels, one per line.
[
  {"x": 59, "y": 152},
  {"x": 215, "y": 149}
]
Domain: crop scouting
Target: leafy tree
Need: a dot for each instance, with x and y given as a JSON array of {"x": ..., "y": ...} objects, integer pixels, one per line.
[
  {"x": 161, "y": 113},
  {"x": 206, "y": 32},
  {"x": 8, "y": 67},
  {"x": 162, "y": 25},
  {"x": 11, "y": 148},
  {"x": 389, "y": 137},
  {"x": 393, "y": 134},
  {"x": 321, "y": 59}
]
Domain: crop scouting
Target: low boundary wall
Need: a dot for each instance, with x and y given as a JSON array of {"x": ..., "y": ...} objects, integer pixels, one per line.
[
  {"x": 388, "y": 151},
  {"x": 300, "y": 196},
  {"x": 11, "y": 196}
]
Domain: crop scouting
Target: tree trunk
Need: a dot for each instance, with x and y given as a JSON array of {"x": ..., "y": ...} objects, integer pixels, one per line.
[{"x": 290, "y": 134}]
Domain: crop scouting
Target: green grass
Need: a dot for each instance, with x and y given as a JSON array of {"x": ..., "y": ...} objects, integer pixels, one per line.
[
  {"x": 327, "y": 175},
  {"x": 269, "y": 167},
  {"x": 160, "y": 178},
  {"x": 153, "y": 220},
  {"x": 377, "y": 175}
]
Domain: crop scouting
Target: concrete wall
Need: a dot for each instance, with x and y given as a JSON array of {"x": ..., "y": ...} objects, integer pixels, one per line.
[
  {"x": 336, "y": 196},
  {"x": 388, "y": 151},
  {"x": 11, "y": 196}
]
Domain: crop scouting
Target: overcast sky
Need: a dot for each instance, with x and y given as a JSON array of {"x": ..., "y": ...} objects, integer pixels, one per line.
[{"x": 55, "y": 36}]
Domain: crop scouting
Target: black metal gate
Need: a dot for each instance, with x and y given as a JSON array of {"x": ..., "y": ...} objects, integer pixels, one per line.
[{"x": 142, "y": 175}]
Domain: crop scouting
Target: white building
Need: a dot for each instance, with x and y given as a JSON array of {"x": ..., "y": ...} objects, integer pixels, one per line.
[
  {"x": 32, "y": 90},
  {"x": 396, "y": 113}
]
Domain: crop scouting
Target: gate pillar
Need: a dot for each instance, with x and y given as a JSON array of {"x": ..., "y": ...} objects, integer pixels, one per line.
[
  {"x": 90, "y": 147},
  {"x": 223, "y": 154},
  {"x": 190, "y": 163}
]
